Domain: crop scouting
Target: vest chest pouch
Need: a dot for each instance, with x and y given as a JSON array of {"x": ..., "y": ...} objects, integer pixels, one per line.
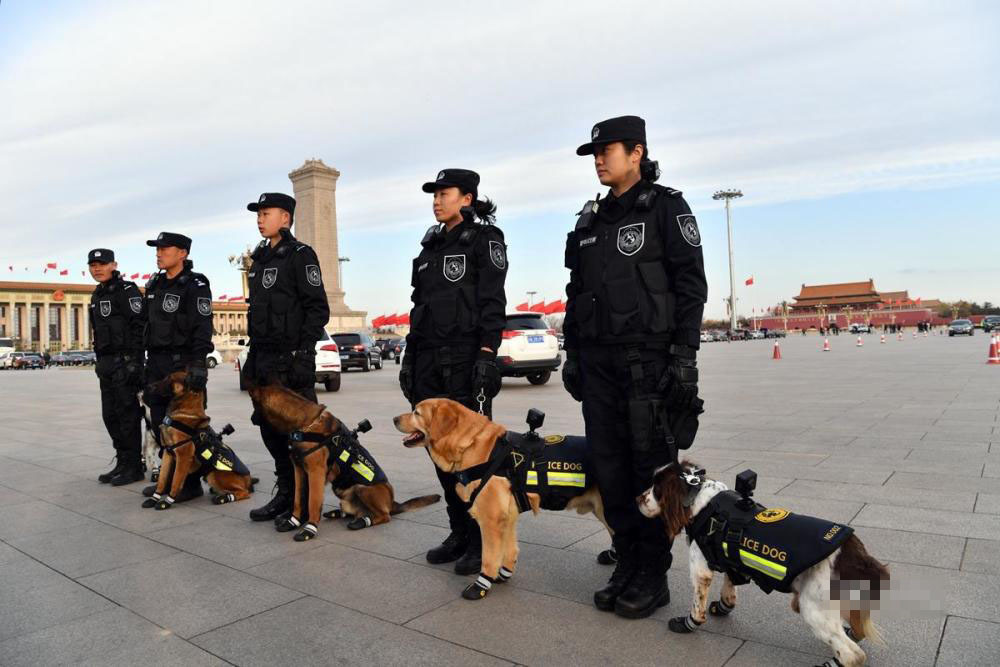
[
  {"x": 586, "y": 315},
  {"x": 649, "y": 423},
  {"x": 444, "y": 314},
  {"x": 622, "y": 298},
  {"x": 658, "y": 301}
]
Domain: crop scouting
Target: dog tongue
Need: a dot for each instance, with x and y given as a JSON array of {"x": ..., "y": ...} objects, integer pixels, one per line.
[{"x": 413, "y": 436}]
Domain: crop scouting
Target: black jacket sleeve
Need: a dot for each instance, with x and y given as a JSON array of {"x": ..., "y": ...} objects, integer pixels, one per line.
[
  {"x": 199, "y": 317},
  {"x": 571, "y": 335},
  {"x": 686, "y": 268},
  {"x": 136, "y": 322},
  {"x": 491, "y": 299},
  {"x": 411, "y": 337},
  {"x": 312, "y": 296}
]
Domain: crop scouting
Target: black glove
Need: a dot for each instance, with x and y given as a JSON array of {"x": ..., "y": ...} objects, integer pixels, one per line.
[
  {"x": 571, "y": 375},
  {"x": 302, "y": 371},
  {"x": 406, "y": 376},
  {"x": 197, "y": 377},
  {"x": 485, "y": 375},
  {"x": 134, "y": 369},
  {"x": 679, "y": 384}
]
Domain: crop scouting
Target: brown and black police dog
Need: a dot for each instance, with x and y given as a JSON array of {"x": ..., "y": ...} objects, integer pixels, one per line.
[
  {"x": 181, "y": 438},
  {"x": 369, "y": 502}
]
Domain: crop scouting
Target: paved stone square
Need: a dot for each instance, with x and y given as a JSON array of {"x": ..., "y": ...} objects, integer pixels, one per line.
[{"x": 901, "y": 440}]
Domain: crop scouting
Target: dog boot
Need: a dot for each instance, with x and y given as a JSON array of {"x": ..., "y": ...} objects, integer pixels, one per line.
[
  {"x": 307, "y": 533},
  {"x": 148, "y": 491},
  {"x": 478, "y": 589},
  {"x": 128, "y": 474},
  {"x": 645, "y": 593},
  {"x": 683, "y": 624},
  {"x": 450, "y": 550},
  {"x": 608, "y": 556},
  {"x": 720, "y": 608},
  {"x": 287, "y": 525},
  {"x": 334, "y": 514},
  {"x": 472, "y": 560},
  {"x": 106, "y": 477},
  {"x": 280, "y": 503}
]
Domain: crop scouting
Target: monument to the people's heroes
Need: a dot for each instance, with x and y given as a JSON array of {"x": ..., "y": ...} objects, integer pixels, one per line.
[{"x": 314, "y": 186}]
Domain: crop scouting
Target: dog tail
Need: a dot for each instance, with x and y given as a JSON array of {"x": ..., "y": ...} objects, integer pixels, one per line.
[
  {"x": 414, "y": 503},
  {"x": 855, "y": 567}
]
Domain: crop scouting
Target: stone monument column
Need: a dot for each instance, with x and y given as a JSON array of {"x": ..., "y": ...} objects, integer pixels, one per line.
[{"x": 315, "y": 186}]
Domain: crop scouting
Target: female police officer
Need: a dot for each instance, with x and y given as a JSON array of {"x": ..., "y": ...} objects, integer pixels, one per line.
[
  {"x": 633, "y": 314},
  {"x": 455, "y": 326}
]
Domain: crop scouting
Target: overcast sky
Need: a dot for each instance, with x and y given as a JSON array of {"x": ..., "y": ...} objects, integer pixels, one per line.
[{"x": 865, "y": 135}]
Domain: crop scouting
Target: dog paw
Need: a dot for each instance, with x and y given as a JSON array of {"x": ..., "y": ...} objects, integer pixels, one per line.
[
  {"x": 287, "y": 525},
  {"x": 148, "y": 502},
  {"x": 608, "y": 557},
  {"x": 719, "y": 608},
  {"x": 223, "y": 499},
  {"x": 307, "y": 533},
  {"x": 682, "y": 625},
  {"x": 359, "y": 523},
  {"x": 474, "y": 592},
  {"x": 163, "y": 505},
  {"x": 334, "y": 514}
]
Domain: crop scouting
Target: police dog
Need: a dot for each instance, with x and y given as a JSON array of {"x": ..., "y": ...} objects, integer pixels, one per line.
[
  {"x": 458, "y": 439},
  {"x": 150, "y": 447},
  {"x": 366, "y": 504},
  {"x": 680, "y": 492},
  {"x": 180, "y": 454}
]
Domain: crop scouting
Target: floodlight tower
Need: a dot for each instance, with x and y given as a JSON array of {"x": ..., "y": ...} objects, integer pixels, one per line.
[{"x": 728, "y": 195}]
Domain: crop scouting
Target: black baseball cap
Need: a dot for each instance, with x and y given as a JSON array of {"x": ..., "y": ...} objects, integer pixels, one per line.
[
  {"x": 273, "y": 200},
  {"x": 463, "y": 179},
  {"x": 101, "y": 256},
  {"x": 622, "y": 128},
  {"x": 168, "y": 239}
]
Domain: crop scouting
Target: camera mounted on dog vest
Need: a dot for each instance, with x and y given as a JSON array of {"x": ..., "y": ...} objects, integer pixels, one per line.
[
  {"x": 535, "y": 420},
  {"x": 363, "y": 427},
  {"x": 746, "y": 482}
]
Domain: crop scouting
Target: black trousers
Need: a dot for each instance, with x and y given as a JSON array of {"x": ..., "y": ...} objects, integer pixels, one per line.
[
  {"x": 622, "y": 472},
  {"x": 120, "y": 409},
  {"x": 446, "y": 372},
  {"x": 261, "y": 364},
  {"x": 158, "y": 366}
]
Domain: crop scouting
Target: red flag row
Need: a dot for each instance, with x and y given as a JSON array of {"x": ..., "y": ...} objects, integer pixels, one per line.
[
  {"x": 550, "y": 308},
  {"x": 391, "y": 320}
]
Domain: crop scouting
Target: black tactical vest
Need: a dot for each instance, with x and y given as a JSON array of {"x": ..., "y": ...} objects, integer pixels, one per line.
[
  {"x": 276, "y": 314},
  {"x": 167, "y": 303},
  {"x": 445, "y": 275},
  {"x": 112, "y": 305},
  {"x": 769, "y": 546},
  {"x": 558, "y": 473},
  {"x": 622, "y": 291},
  {"x": 357, "y": 465}
]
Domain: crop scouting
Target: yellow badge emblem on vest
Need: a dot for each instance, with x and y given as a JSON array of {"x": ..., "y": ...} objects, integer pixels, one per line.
[
  {"x": 772, "y": 515},
  {"x": 554, "y": 439}
]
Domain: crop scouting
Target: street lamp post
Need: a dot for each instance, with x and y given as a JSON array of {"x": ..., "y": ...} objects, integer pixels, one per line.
[
  {"x": 728, "y": 195},
  {"x": 531, "y": 298}
]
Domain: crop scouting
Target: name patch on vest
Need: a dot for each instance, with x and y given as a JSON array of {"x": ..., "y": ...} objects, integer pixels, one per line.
[
  {"x": 454, "y": 267},
  {"x": 422, "y": 267},
  {"x": 105, "y": 308},
  {"x": 631, "y": 237},
  {"x": 171, "y": 302},
  {"x": 269, "y": 278},
  {"x": 591, "y": 240}
]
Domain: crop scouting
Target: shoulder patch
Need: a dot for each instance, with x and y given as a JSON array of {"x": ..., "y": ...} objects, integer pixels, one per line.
[
  {"x": 689, "y": 229},
  {"x": 555, "y": 439},
  {"x": 498, "y": 255},
  {"x": 772, "y": 515},
  {"x": 204, "y": 306},
  {"x": 135, "y": 303},
  {"x": 313, "y": 276}
]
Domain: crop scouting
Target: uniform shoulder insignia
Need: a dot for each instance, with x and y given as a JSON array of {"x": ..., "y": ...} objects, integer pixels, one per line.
[
  {"x": 586, "y": 214},
  {"x": 429, "y": 235},
  {"x": 130, "y": 285},
  {"x": 468, "y": 236},
  {"x": 487, "y": 230},
  {"x": 670, "y": 192}
]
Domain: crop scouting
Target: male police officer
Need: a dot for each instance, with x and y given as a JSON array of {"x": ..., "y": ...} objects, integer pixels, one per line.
[
  {"x": 635, "y": 300},
  {"x": 178, "y": 332},
  {"x": 117, "y": 320},
  {"x": 455, "y": 328},
  {"x": 288, "y": 310}
]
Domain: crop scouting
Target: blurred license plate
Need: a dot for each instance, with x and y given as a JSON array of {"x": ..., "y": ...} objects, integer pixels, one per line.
[
  {"x": 536, "y": 339},
  {"x": 345, "y": 356}
]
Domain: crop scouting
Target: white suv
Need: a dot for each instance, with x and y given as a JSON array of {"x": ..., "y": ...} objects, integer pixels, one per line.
[
  {"x": 327, "y": 363},
  {"x": 528, "y": 348}
]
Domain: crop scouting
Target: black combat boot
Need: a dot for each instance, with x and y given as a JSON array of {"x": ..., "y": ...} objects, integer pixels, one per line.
[
  {"x": 106, "y": 477},
  {"x": 280, "y": 502},
  {"x": 646, "y": 593},
  {"x": 129, "y": 473},
  {"x": 625, "y": 570},
  {"x": 471, "y": 561},
  {"x": 451, "y": 549}
]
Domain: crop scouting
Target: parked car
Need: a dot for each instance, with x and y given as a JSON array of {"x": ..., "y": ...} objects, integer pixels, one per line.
[
  {"x": 388, "y": 347},
  {"x": 358, "y": 350},
  {"x": 213, "y": 359},
  {"x": 777, "y": 333},
  {"x": 707, "y": 337},
  {"x": 528, "y": 348},
  {"x": 961, "y": 328},
  {"x": 6, "y": 360},
  {"x": 860, "y": 328},
  {"x": 61, "y": 359},
  {"x": 327, "y": 363},
  {"x": 756, "y": 334},
  {"x": 991, "y": 322},
  {"x": 82, "y": 357},
  {"x": 26, "y": 360}
]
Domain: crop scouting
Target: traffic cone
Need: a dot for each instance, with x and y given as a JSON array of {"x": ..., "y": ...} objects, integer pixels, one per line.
[
  {"x": 826, "y": 344},
  {"x": 925, "y": 334},
  {"x": 914, "y": 335},
  {"x": 860, "y": 342},
  {"x": 777, "y": 351},
  {"x": 899, "y": 336},
  {"x": 883, "y": 339},
  {"x": 994, "y": 357}
]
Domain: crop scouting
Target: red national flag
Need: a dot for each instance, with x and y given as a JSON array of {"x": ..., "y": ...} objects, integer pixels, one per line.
[
  {"x": 233, "y": 299},
  {"x": 51, "y": 265},
  {"x": 403, "y": 319},
  {"x": 556, "y": 306},
  {"x": 390, "y": 320},
  {"x": 538, "y": 307},
  {"x": 377, "y": 322},
  {"x": 134, "y": 276},
  {"x": 64, "y": 272},
  {"x": 522, "y": 306},
  {"x": 222, "y": 297},
  {"x": 748, "y": 281},
  {"x": 918, "y": 302},
  {"x": 147, "y": 276}
]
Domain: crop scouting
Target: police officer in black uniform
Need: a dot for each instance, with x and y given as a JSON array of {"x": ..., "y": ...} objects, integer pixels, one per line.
[
  {"x": 178, "y": 332},
  {"x": 288, "y": 310},
  {"x": 117, "y": 320},
  {"x": 635, "y": 300},
  {"x": 455, "y": 326}
]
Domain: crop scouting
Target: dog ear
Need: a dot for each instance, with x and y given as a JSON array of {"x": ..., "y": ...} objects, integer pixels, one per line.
[
  {"x": 672, "y": 493},
  {"x": 441, "y": 425}
]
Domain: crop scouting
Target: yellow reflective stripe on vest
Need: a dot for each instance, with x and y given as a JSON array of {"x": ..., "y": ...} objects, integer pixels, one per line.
[
  {"x": 755, "y": 562},
  {"x": 532, "y": 478},
  {"x": 219, "y": 465},
  {"x": 567, "y": 479},
  {"x": 363, "y": 470},
  {"x": 344, "y": 455}
]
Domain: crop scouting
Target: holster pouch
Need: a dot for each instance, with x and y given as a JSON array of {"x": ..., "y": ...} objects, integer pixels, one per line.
[{"x": 652, "y": 436}]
